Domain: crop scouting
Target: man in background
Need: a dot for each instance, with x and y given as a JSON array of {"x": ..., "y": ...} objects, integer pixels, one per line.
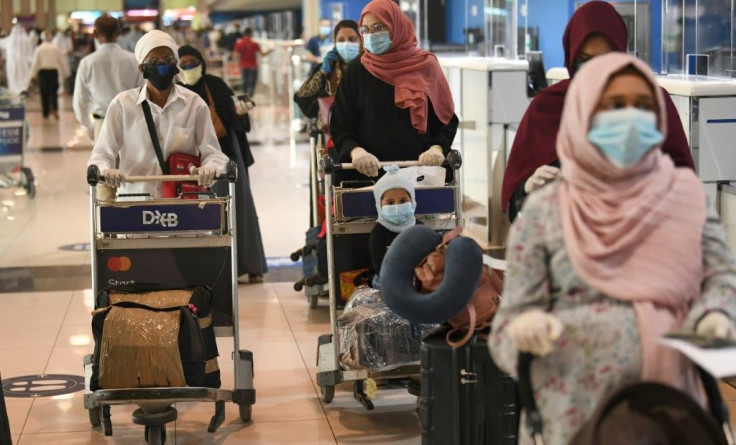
[
  {"x": 47, "y": 67},
  {"x": 248, "y": 51},
  {"x": 102, "y": 75},
  {"x": 314, "y": 45}
]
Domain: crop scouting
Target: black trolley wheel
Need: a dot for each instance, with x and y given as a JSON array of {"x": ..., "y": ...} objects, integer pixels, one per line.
[
  {"x": 28, "y": 182},
  {"x": 246, "y": 412},
  {"x": 155, "y": 435},
  {"x": 327, "y": 392},
  {"x": 95, "y": 416}
]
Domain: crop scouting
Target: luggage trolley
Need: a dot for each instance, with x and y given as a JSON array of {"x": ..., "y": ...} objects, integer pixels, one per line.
[
  {"x": 169, "y": 244},
  {"x": 13, "y": 136},
  {"x": 313, "y": 284},
  {"x": 354, "y": 217}
]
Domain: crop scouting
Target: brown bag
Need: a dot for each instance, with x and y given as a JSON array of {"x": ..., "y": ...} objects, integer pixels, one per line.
[
  {"x": 220, "y": 129},
  {"x": 325, "y": 113},
  {"x": 479, "y": 311}
]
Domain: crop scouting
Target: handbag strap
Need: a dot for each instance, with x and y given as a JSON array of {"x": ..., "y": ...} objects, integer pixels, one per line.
[
  {"x": 209, "y": 95},
  {"x": 471, "y": 329},
  {"x": 154, "y": 136}
]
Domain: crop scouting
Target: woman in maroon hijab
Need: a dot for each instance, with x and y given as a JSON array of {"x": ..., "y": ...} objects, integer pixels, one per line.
[{"x": 596, "y": 28}]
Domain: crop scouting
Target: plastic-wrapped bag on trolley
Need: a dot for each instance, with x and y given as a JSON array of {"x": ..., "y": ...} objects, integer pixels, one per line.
[{"x": 373, "y": 337}]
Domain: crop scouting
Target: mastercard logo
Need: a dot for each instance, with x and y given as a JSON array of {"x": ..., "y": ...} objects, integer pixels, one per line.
[{"x": 118, "y": 264}]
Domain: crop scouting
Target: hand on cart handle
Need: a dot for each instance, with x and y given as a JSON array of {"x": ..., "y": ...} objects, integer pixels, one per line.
[
  {"x": 432, "y": 157},
  {"x": 113, "y": 177},
  {"x": 364, "y": 162},
  {"x": 205, "y": 174}
]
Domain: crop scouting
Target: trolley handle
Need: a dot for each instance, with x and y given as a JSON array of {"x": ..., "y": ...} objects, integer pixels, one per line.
[
  {"x": 453, "y": 160},
  {"x": 231, "y": 174}
]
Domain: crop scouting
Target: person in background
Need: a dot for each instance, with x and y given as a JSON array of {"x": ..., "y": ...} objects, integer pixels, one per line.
[
  {"x": 621, "y": 250},
  {"x": 181, "y": 119},
  {"x": 102, "y": 75},
  {"x": 129, "y": 39},
  {"x": 18, "y": 56},
  {"x": 47, "y": 67},
  {"x": 228, "y": 41},
  {"x": 395, "y": 105},
  {"x": 314, "y": 45},
  {"x": 64, "y": 43},
  {"x": 248, "y": 51},
  {"x": 596, "y": 28},
  {"x": 234, "y": 143},
  {"x": 325, "y": 80}
]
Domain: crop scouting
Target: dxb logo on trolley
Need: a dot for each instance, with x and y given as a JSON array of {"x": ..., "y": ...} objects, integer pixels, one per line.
[{"x": 154, "y": 217}]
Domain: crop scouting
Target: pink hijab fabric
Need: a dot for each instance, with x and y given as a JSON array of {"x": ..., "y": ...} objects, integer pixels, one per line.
[
  {"x": 415, "y": 74},
  {"x": 634, "y": 234}
]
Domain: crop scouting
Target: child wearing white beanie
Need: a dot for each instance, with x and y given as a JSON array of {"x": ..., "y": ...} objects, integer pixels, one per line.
[{"x": 395, "y": 204}]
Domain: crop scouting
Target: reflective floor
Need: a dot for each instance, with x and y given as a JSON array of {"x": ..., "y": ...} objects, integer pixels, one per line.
[{"x": 46, "y": 304}]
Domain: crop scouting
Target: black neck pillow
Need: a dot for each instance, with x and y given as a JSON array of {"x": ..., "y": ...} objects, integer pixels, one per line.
[{"x": 463, "y": 268}]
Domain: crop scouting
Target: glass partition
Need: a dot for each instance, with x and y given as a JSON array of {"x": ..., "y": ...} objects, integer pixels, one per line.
[
  {"x": 698, "y": 38},
  {"x": 487, "y": 28}
]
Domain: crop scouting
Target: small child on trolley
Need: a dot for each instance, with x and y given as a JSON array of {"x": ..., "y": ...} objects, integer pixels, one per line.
[{"x": 395, "y": 204}]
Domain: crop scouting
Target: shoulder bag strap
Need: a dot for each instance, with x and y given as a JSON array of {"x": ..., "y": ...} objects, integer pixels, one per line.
[
  {"x": 209, "y": 95},
  {"x": 154, "y": 136}
]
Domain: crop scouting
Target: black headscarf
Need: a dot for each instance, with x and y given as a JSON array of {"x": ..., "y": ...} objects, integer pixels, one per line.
[{"x": 224, "y": 106}]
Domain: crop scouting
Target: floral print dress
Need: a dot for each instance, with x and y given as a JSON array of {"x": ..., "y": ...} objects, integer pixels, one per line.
[{"x": 599, "y": 350}]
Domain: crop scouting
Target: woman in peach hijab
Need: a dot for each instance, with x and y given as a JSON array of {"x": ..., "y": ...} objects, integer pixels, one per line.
[{"x": 620, "y": 250}]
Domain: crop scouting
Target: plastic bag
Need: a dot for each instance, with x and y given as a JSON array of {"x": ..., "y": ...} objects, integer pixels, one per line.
[{"x": 425, "y": 176}]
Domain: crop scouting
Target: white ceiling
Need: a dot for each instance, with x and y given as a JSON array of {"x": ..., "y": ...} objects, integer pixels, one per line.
[{"x": 253, "y": 5}]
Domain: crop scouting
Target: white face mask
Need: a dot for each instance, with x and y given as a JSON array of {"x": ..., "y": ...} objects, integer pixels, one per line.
[{"x": 191, "y": 76}]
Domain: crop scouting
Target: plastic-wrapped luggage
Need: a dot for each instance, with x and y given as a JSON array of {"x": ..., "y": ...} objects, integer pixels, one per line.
[
  {"x": 374, "y": 338},
  {"x": 465, "y": 398}
]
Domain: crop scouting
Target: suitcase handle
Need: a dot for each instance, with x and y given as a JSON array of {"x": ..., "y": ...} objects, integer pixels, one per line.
[{"x": 534, "y": 423}]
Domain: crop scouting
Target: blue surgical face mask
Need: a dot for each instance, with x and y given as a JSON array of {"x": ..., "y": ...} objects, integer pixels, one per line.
[
  {"x": 377, "y": 43},
  {"x": 398, "y": 214},
  {"x": 348, "y": 50},
  {"x": 624, "y": 136},
  {"x": 325, "y": 30}
]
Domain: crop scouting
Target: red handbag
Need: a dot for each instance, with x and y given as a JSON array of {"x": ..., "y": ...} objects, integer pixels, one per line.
[
  {"x": 325, "y": 112},
  {"x": 181, "y": 164}
]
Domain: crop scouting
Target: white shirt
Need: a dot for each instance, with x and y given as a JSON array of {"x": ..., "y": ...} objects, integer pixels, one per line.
[
  {"x": 47, "y": 57},
  {"x": 100, "y": 77},
  {"x": 183, "y": 125}
]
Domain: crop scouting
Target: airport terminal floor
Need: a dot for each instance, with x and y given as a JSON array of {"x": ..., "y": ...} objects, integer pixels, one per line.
[{"x": 46, "y": 304}]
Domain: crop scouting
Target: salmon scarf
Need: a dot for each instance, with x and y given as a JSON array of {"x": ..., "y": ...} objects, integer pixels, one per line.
[
  {"x": 415, "y": 74},
  {"x": 634, "y": 234}
]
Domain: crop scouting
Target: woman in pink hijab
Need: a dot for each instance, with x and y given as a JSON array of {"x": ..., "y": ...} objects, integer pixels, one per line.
[
  {"x": 394, "y": 103},
  {"x": 620, "y": 250}
]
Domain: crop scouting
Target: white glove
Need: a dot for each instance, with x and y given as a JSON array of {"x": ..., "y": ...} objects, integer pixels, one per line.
[
  {"x": 717, "y": 325},
  {"x": 113, "y": 177},
  {"x": 541, "y": 176},
  {"x": 535, "y": 331},
  {"x": 364, "y": 162},
  {"x": 206, "y": 175},
  {"x": 432, "y": 157}
]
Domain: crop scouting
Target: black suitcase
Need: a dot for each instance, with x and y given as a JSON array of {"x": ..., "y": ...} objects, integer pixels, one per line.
[{"x": 465, "y": 399}]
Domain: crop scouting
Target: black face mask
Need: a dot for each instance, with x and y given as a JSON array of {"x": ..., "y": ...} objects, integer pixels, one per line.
[{"x": 161, "y": 76}]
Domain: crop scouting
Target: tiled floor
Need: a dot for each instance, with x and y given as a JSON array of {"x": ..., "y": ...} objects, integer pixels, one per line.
[{"x": 49, "y": 331}]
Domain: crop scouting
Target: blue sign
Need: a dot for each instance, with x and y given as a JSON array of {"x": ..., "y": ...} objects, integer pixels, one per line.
[
  {"x": 12, "y": 114},
  {"x": 11, "y": 140},
  {"x": 161, "y": 217}
]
